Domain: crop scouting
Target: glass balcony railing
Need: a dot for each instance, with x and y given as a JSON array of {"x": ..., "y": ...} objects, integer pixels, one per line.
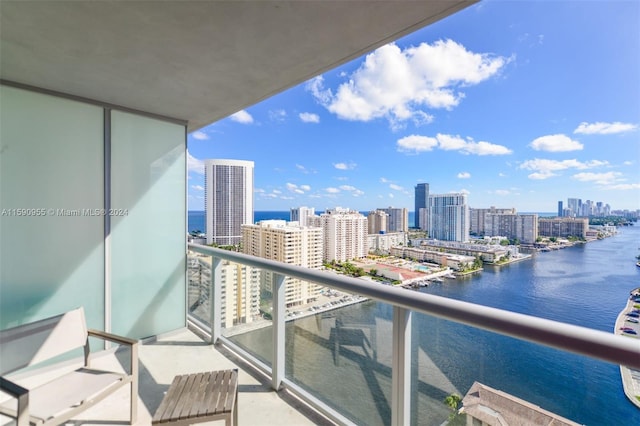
[{"x": 365, "y": 353}]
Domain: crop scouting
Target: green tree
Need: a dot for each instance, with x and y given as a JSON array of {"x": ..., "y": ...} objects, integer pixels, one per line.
[{"x": 453, "y": 401}]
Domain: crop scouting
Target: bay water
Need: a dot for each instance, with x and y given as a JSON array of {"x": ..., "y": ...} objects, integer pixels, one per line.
[{"x": 586, "y": 285}]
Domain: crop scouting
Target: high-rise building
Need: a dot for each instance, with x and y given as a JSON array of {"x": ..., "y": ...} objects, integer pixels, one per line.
[
  {"x": 560, "y": 209},
  {"x": 377, "y": 222},
  {"x": 286, "y": 242},
  {"x": 398, "y": 220},
  {"x": 239, "y": 290},
  {"x": 563, "y": 227},
  {"x": 575, "y": 206},
  {"x": 477, "y": 218},
  {"x": 345, "y": 234},
  {"x": 523, "y": 227},
  {"x": 448, "y": 217},
  {"x": 421, "y": 202},
  {"x": 228, "y": 199},
  {"x": 300, "y": 214}
]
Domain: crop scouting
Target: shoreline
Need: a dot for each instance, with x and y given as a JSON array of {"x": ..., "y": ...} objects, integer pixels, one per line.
[{"x": 630, "y": 377}]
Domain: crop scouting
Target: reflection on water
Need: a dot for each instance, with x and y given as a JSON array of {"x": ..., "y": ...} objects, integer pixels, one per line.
[{"x": 344, "y": 356}]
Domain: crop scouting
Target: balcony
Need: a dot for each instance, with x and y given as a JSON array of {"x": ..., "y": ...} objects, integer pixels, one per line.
[
  {"x": 383, "y": 355},
  {"x": 363, "y": 362}
]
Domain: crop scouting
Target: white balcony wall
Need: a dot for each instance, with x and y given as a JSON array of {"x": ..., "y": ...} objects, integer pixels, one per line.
[
  {"x": 51, "y": 167},
  {"x": 148, "y": 228}
]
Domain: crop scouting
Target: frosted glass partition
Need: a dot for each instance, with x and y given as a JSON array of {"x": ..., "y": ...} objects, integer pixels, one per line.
[
  {"x": 51, "y": 183},
  {"x": 148, "y": 225}
]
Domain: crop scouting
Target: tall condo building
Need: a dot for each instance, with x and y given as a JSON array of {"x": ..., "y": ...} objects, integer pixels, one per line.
[
  {"x": 421, "y": 202},
  {"x": 477, "y": 217},
  {"x": 301, "y": 215},
  {"x": 575, "y": 206},
  {"x": 560, "y": 210},
  {"x": 448, "y": 217},
  {"x": 377, "y": 222},
  {"x": 286, "y": 242},
  {"x": 345, "y": 234},
  {"x": 239, "y": 290},
  {"x": 523, "y": 227},
  {"x": 398, "y": 220},
  {"x": 563, "y": 227},
  {"x": 228, "y": 199}
]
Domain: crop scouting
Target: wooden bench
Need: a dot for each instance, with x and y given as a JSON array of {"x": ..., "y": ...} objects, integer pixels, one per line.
[
  {"x": 201, "y": 397},
  {"x": 69, "y": 393}
]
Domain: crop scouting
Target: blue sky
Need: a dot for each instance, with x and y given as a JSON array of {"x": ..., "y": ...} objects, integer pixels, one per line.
[{"x": 518, "y": 104}]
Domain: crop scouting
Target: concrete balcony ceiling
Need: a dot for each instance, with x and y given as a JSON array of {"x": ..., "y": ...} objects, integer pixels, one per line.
[{"x": 197, "y": 61}]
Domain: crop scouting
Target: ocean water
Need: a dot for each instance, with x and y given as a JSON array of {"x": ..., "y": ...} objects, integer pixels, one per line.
[
  {"x": 586, "y": 285},
  {"x": 196, "y": 218}
]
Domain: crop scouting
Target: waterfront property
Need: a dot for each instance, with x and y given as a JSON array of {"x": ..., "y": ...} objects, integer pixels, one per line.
[{"x": 97, "y": 99}]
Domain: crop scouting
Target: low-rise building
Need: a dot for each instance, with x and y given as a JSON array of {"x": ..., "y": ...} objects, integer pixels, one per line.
[
  {"x": 488, "y": 253},
  {"x": 382, "y": 243},
  {"x": 485, "y": 406},
  {"x": 453, "y": 261}
]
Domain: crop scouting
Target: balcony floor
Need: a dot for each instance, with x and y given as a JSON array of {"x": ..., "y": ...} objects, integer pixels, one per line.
[{"x": 184, "y": 352}]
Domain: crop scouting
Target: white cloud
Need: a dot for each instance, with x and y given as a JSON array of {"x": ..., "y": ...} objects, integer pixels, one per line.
[
  {"x": 197, "y": 187},
  {"x": 347, "y": 187},
  {"x": 194, "y": 165},
  {"x": 345, "y": 166},
  {"x": 278, "y": 115},
  {"x": 628, "y": 163},
  {"x": 396, "y": 187},
  {"x": 450, "y": 143},
  {"x": 502, "y": 174},
  {"x": 242, "y": 116},
  {"x": 541, "y": 175},
  {"x": 308, "y": 117},
  {"x": 486, "y": 148},
  {"x": 298, "y": 189},
  {"x": 395, "y": 84},
  {"x": 199, "y": 135},
  {"x": 502, "y": 192},
  {"x": 544, "y": 168},
  {"x": 464, "y": 175},
  {"x": 600, "y": 128},
  {"x": 555, "y": 143},
  {"x": 624, "y": 186},
  {"x": 332, "y": 190},
  {"x": 599, "y": 178},
  {"x": 416, "y": 143}
]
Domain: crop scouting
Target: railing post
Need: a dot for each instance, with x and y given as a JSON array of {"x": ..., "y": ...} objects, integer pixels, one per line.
[
  {"x": 401, "y": 367},
  {"x": 215, "y": 299},
  {"x": 277, "y": 372}
]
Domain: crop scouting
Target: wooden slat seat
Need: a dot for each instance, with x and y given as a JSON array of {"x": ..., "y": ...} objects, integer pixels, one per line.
[{"x": 200, "y": 397}]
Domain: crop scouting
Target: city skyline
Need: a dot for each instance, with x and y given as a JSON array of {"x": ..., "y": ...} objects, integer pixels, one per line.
[{"x": 516, "y": 104}]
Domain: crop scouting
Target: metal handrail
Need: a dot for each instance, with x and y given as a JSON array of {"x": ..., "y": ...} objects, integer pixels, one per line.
[{"x": 568, "y": 337}]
